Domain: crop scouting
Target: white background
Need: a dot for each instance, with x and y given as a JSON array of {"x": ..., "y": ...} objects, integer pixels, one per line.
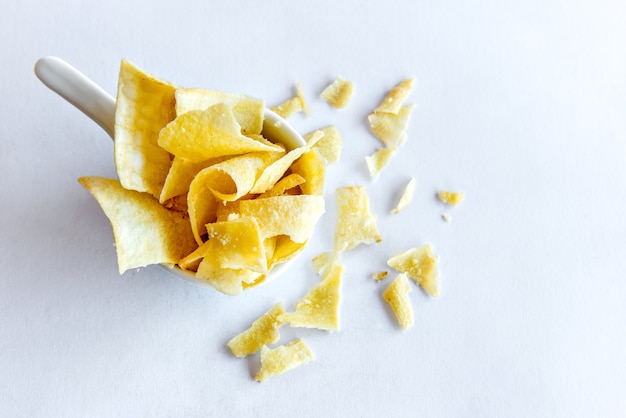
[{"x": 520, "y": 104}]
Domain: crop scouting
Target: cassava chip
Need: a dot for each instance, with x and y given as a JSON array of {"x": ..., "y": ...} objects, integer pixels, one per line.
[
  {"x": 330, "y": 145},
  {"x": 144, "y": 106},
  {"x": 406, "y": 197},
  {"x": 145, "y": 232},
  {"x": 200, "y": 135},
  {"x": 282, "y": 359},
  {"x": 263, "y": 331},
  {"x": 286, "y": 183},
  {"x": 390, "y": 127},
  {"x": 292, "y": 105},
  {"x": 248, "y": 111},
  {"x": 397, "y": 296},
  {"x": 180, "y": 176},
  {"x": 377, "y": 161},
  {"x": 451, "y": 198},
  {"x": 338, "y": 93},
  {"x": 283, "y": 249},
  {"x": 392, "y": 103},
  {"x": 294, "y": 216},
  {"x": 420, "y": 264},
  {"x": 355, "y": 223},
  {"x": 202, "y": 205},
  {"x": 319, "y": 308},
  {"x": 312, "y": 167}
]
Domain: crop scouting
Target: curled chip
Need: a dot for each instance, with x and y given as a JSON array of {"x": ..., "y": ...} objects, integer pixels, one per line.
[
  {"x": 282, "y": 359},
  {"x": 292, "y": 105},
  {"x": 145, "y": 232},
  {"x": 312, "y": 167},
  {"x": 263, "y": 331},
  {"x": 420, "y": 264},
  {"x": 392, "y": 103},
  {"x": 406, "y": 198},
  {"x": 330, "y": 145},
  {"x": 338, "y": 93},
  {"x": 180, "y": 175},
  {"x": 377, "y": 161},
  {"x": 319, "y": 308},
  {"x": 355, "y": 223},
  {"x": 451, "y": 198},
  {"x": 397, "y": 296},
  {"x": 144, "y": 106},
  {"x": 390, "y": 127}
]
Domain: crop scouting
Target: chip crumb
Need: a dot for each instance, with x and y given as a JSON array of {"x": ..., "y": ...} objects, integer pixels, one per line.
[
  {"x": 379, "y": 160},
  {"x": 446, "y": 217},
  {"x": 397, "y": 296},
  {"x": 282, "y": 359},
  {"x": 406, "y": 198},
  {"x": 451, "y": 198},
  {"x": 338, "y": 93},
  {"x": 263, "y": 331},
  {"x": 421, "y": 265},
  {"x": 380, "y": 275}
]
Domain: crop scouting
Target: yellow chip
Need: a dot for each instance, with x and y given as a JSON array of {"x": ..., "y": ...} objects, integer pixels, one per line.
[
  {"x": 338, "y": 93},
  {"x": 319, "y": 308},
  {"x": 284, "y": 249},
  {"x": 294, "y": 216},
  {"x": 355, "y": 223},
  {"x": 451, "y": 198},
  {"x": 263, "y": 331},
  {"x": 180, "y": 175},
  {"x": 145, "y": 232},
  {"x": 292, "y": 105},
  {"x": 144, "y": 106},
  {"x": 390, "y": 127},
  {"x": 394, "y": 100},
  {"x": 420, "y": 264},
  {"x": 312, "y": 167},
  {"x": 397, "y": 296},
  {"x": 406, "y": 198},
  {"x": 377, "y": 161},
  {"x": 248, "y": 111},
  {"x": 200, "y": 135},
  {"x": 202, "y": 205},
  {"x": 330, "y": 145},
  {"x": 380, "y": 275},
  {"x": 286, "y": 183},
  {"x": 282, "y": 359}
]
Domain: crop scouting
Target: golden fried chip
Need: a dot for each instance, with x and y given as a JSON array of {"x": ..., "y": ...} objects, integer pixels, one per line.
[
  {"x": 397, "y": 296},
  {"x": 180, "y": 175},
  {"x": 144, "y": 106},
  {"x": 319, "y": 308},
  {"x": 338, "y": 93},
  {"x": 273, "y": 172},
  {"x": 380, "y": 275},
  {"x": 263, "y": 331},
  {"x": 200, "y": 135},
  {"x": 292, "y": 105},
  {"x": 355, "y": 223},
  {"x": 286, "y": 183},
  {"x": 248, "y": 111},
  {"x": 390, "y": 127},
  {"x": 420, "y": 264},
  {"x": 145, "y": 232},
  {"x": 377, "y": 161},
  {"x": 284, "y": 249},
  {"x": 330, "y": 145},
  {"x": 294, "y": 216},
  {"x": 202, "y": 205},
  {"x": 282, "y": 359},
  {"x": 312, "y": 167},
  {"x": 395, "y": 98},
  {"x": 406, "y": 198},
  {"x": 451, "y": 198}
]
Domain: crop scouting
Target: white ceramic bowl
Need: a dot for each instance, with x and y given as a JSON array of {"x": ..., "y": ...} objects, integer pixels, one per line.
[{"x": 98, "y": 105}]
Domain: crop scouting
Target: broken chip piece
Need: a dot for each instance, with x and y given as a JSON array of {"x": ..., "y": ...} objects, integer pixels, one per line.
[
  {"x": 406, "y": 198},
  {"x": 393, "y": 101},
  {"x": 263, "y": 331},
  {"x": 330, "y": 145},
  {"x": 338, "y": 93},
  {"x": 397, "y": 296},
  {"x": 451, "y": 198},
  {"x": 420, "y": 264},
  {"x": 377, "y": 161},
  {"x": 282, "y": 359},
  {"x": 355, "y": 223},
  {"x": 292, "y": 105}
]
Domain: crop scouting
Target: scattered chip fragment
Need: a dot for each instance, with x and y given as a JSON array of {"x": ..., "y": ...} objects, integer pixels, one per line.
[
  {"x": 397, "y": 296},
  {"x": 355, "y": 223},
  {"x": 451, "y": 198},
  {"x": 263, "y": 331},
  {"x": 406, "y": 198},
  {"x": 330, "y": 145},
  {"x": 394, "y": 100},
  {"x": 390, "y": 128},
  {"x": 338, "y": 93},
  {"x": 420, "y": 264},
  {"x": 446, "y": 217},
  {"x": 282, "y": 359},
  {"x": 292, "y": 105},
  {"x": 377, "y": 161}
]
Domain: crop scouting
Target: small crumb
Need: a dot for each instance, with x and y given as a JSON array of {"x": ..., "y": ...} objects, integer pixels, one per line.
[
  {"x": 379, "y": 276},
  {"x": 446, "y": 217},
  {"x": 451, "y": 198}
]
